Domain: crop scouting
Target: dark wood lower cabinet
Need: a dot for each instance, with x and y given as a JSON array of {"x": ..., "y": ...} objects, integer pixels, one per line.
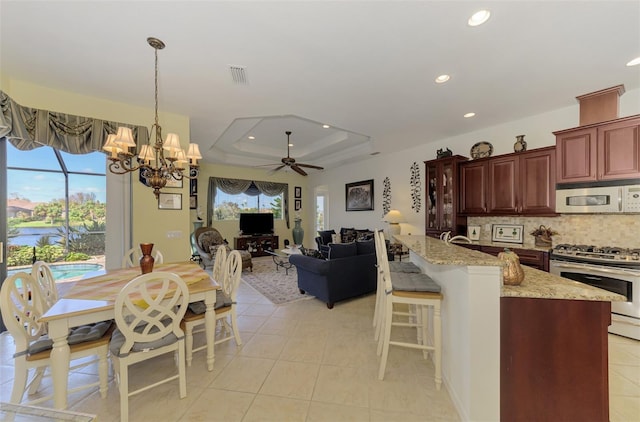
[{"x": 554, "y": 360}]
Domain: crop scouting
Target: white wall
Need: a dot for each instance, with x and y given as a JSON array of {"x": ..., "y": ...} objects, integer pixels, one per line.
[{"x": 538, "y": 130}]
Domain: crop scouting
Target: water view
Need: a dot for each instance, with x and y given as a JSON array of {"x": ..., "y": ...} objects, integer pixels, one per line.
[{"x": 28, "y": 236}]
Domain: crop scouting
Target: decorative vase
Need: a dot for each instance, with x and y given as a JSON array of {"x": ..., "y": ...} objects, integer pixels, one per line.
[
  {"x": 297, "y": 232},
  {"x": 520, "y": 145},
  {"x": 512, "y": 272},
  {"x": 146, "y": 260}
]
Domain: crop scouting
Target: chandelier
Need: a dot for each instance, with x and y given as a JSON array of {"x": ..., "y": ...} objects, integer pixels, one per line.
[{"x": 157, "y": 162}]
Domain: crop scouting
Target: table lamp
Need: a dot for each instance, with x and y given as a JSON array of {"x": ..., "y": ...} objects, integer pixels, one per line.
[{"x": 394, "y": 218}]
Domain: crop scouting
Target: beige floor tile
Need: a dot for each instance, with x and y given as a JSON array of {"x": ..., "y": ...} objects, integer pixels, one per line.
[
  {"x": 279, "y": 326},
  {"x": 243, "y": 374},
  {"x": 250, "y": 323},
  {"x": 294, "y": 380},
  {"x": 260, "y": 309},
  {"x": 219, "y": 405},
  {"x": 265, "y": 346},
  {"x": 327, "y": 412},
  {"x": 303, "y": 349},
  {"x": 341, "y": 385},
  {"x": 270, "y": 408}
]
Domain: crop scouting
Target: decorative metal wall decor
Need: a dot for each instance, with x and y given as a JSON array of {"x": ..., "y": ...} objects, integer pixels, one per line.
[
  {"x": 415, "y": 187},
  {"x": 386, "y": 196}
]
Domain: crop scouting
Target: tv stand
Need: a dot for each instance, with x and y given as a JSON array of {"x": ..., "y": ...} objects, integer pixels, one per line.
[{"x": 257, "y": 245}]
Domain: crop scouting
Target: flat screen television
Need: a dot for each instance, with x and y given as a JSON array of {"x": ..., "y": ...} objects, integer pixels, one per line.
[{"x": 256, "y": 223}]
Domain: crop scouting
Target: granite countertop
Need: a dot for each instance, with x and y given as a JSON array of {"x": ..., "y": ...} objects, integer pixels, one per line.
[
  {"x": 536, "y": 284},
  {"x": 505, "y": 245}
]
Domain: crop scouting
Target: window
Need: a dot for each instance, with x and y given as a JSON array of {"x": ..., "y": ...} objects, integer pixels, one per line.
[
  {"x": 229, "y": 206},
  {"x": 56, "y": 202}
]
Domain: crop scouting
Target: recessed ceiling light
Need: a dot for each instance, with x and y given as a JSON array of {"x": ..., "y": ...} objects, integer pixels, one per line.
[
  {"x": 479, "y": 18},
  {"x": 634, "y": 62},
  {"x": 290, "y": 145},
  {"x": 442, "y": 79},
  {"x": 326, "y": 126},
  {"x": 252, "y": 137},
  {"x": 469, "y": 115}
]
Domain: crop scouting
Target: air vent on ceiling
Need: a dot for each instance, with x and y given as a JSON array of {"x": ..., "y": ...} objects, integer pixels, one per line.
[{"x": 239, "y": 75}]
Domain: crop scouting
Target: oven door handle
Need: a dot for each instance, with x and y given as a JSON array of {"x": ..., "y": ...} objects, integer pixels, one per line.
[{"x": 615, "y": 271}]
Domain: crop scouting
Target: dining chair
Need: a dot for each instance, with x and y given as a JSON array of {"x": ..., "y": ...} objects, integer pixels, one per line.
[
  {"x": 415, "y": 290},
  {"x": 41, "y": 271},
  {"x": 225, "y": 307},
  {"x": 132, "y": 257},
  {"x": 148, "y": 311},
  {"x": 22, "y": 305}
]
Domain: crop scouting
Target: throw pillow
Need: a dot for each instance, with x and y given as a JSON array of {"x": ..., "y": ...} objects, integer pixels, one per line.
[
  {"x": 366, "y": 247},
  {"x": 342, "y": 250},
  {"x": 364, "y": 234},
  {"x": 313, "y": 253},
  {"x": 347, "y": 234}
]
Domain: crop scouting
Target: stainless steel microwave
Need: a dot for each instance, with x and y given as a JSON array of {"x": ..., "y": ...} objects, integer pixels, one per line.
[{"x": 603, "y": 199}]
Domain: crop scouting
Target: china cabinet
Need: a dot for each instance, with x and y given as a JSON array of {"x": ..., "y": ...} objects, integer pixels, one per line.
[{"x": 442, "y": 196}]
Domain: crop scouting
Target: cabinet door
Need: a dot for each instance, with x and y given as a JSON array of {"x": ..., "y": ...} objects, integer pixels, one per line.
[
  {"x": 504, "y": 176},
  {"x": 537, "y": 182},
  {"x": 619, "y": 150},
  {"x": 447, "y": 221},
  {"x": 576, "y": 156},
  {"x": 473, "y": 188},
  {"x": 432, "y": 198}
]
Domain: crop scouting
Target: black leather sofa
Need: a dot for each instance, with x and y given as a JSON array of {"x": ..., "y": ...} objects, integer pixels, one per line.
[{"x": 350, "y": 271}]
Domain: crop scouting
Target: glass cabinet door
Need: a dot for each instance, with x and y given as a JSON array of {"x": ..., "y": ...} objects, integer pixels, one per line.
[
  {"x": 447, "y": 196},
  {"x": 432, "y": 197}
]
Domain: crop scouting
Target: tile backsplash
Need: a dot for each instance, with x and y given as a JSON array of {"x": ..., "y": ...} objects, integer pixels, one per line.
[{"x": 622, "y": 230}]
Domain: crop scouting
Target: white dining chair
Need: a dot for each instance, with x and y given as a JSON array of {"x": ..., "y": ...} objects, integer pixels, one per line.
[
  {"x": 148, "y": 311},
  {"x": 225, "y": 307},
  {"x": 132, "y": 257},
  {"x": 41, "y": 272},
  {"x": 22, "y": 305},
  {"x": 413, "y": 290}
]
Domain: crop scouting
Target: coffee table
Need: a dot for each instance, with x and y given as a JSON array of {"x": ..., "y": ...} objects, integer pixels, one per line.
[{"x": 281, "y": 258}]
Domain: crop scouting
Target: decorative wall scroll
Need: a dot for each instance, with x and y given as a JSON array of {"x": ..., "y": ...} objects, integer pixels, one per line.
[
  {"x": 386, "y": 196},
  {"x": 415, "y": 187}
]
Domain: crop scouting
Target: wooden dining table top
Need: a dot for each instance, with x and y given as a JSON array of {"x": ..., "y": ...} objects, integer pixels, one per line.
[{"x": 99, "y": 293}]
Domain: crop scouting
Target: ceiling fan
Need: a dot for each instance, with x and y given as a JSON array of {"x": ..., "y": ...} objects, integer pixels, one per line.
[{"x": 291, "y": 162}]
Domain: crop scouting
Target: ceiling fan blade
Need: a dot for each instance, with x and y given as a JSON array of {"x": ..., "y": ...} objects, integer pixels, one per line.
[
  {"x": 275, "y": 169},
  {"x": 267, "y": 165},
  {"x": 311, "y": 166},
  {"x": 298, "y": 169}
]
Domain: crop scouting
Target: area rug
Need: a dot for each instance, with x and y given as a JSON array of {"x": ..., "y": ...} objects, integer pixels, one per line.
[{"x": 274, "y": 284}]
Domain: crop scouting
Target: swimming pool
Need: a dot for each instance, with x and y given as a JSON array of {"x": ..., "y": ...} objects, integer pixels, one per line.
[{"x": 64, "y": 271}]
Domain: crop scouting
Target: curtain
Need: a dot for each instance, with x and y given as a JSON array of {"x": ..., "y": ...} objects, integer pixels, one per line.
[
  {"x": 237, "y": 186},
  {"x": 29, "y": 128}
]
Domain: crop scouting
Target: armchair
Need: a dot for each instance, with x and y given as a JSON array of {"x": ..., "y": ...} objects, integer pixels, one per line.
[{"x": 208, "y": 240}]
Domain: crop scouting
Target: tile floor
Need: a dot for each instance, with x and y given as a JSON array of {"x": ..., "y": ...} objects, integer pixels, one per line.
[{"x": 303, "y": 362}]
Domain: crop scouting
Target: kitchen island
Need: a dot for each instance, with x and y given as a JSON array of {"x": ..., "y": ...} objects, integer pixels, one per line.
[{"x": 517, "y": 352}]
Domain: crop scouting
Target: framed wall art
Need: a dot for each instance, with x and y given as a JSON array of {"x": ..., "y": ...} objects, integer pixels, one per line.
[
  {"x": 509, "y": 233},
  {"x": 359, "y": 196},
  {"x": 170, "y": 201},
  {"x": 297, "y": 192},
  {"x": 193, "y": 202},
  {"x": 297, "y": 205}
]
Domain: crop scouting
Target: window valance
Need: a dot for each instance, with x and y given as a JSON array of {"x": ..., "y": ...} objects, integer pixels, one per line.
[
  {"x": 28, "y": 128},
  {"x": 250, "y": 187}
]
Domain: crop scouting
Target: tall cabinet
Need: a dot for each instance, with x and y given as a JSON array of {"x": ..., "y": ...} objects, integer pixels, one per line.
[{"x": 442, "y": 177}]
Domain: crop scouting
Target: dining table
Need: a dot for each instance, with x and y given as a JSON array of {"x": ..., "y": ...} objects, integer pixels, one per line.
[{"x": 92, "y": 299}]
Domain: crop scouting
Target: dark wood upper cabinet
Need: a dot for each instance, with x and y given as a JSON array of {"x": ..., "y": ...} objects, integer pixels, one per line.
[
  {"x": 602, "y": 151},
  {"x": 473, "y": 187},
  {"x": 442, "y": 196},
  {"x": 512, "y": 184}
]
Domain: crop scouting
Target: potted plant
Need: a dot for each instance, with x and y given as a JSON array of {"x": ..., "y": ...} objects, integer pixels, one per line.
[{"x": 543, "y": 236}]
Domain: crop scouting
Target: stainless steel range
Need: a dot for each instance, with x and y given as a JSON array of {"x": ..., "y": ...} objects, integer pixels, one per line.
[{"x": 609, "y": 268}]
